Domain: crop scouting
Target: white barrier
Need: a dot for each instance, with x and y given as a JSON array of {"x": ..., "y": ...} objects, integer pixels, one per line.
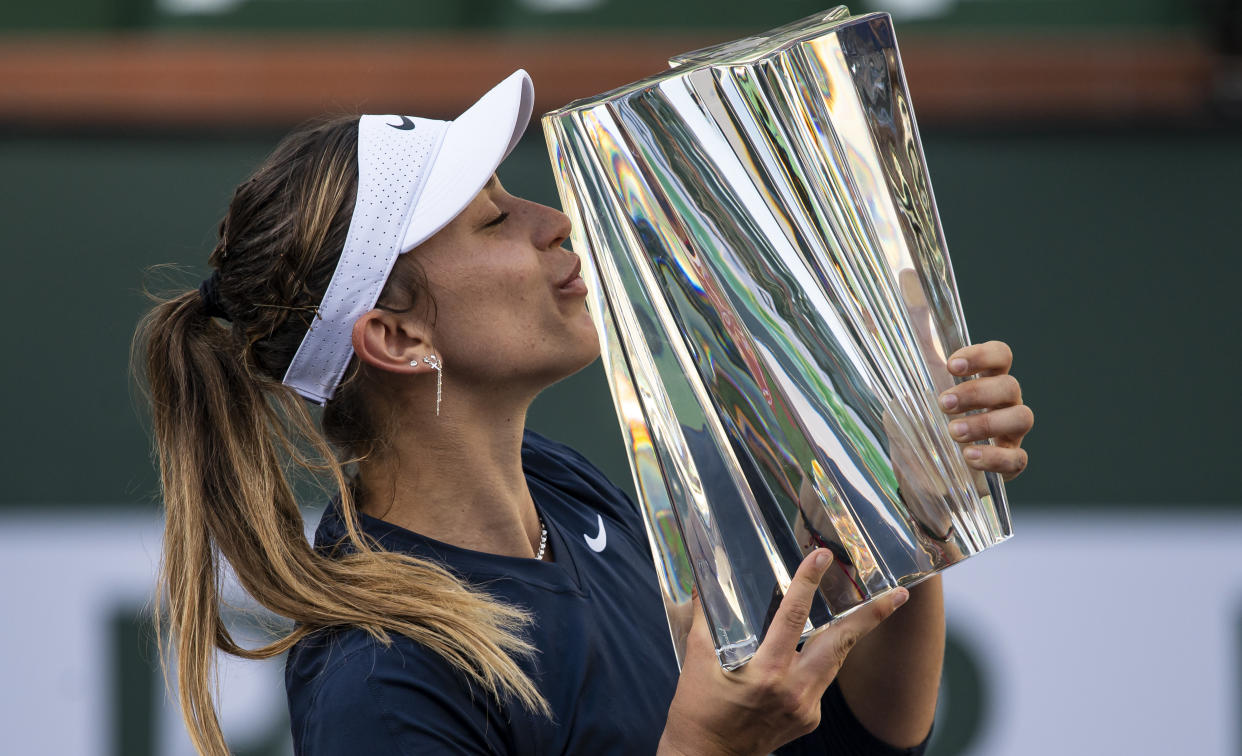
[{"x": 1146, "y": 658}]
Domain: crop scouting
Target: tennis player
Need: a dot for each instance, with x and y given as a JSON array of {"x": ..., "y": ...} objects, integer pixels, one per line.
[{"x": 473, "y": 587}]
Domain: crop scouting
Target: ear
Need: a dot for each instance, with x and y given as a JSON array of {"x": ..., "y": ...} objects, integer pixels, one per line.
[{"x": 390, "y": 341}]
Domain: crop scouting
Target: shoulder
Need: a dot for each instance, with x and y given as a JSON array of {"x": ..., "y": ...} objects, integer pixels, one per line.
[
  {"x": 350, "y": 693},
  {"x": 566, "y": 470},
  {"x": 538, "y": 448},
  {"x": 553, "y": 461}
]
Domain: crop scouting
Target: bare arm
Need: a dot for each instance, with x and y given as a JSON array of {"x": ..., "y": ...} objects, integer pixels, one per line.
[{"x": 891, "y": 678}]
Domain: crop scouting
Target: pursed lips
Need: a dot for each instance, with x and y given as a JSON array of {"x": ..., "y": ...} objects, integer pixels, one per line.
[{"x": 573, "y": 273}]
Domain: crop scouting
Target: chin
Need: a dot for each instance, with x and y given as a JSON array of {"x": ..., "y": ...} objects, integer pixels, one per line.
[
  {"x": 583, "y": 351},
  {"x": 589, "y": 349},
  {"x": 576, "y": 346}
]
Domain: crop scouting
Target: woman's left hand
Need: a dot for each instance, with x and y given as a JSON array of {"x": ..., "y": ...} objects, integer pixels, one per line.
[{"x": 1004, "y": 417}]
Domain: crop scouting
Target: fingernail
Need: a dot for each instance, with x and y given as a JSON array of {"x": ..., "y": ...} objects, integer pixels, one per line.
[
  {"x": 958, "y": 428},
  {"x": 957, "y": 366},
  {"x": 948, "y": 401},
  {"x": 974, "y": 452},
  {"x": 822, "y": 558},
  {"x": 902, "y": 596}
]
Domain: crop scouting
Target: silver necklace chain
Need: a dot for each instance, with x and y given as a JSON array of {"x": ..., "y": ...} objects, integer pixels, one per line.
[{"x": 543, "y": 538}]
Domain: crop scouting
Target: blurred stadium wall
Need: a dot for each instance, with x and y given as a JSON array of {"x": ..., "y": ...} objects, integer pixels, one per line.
[{"x": 1086, "y": 157}]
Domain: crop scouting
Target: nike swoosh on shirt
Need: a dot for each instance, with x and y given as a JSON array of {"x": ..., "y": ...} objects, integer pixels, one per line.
[{"x": 600, "y": 541}]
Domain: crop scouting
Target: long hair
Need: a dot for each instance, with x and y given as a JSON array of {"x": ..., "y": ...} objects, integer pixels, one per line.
[{"x": 229, "y": 436}]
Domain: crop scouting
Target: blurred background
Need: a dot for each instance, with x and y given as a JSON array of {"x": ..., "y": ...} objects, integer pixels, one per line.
[{"x": 1087, "y": 161}]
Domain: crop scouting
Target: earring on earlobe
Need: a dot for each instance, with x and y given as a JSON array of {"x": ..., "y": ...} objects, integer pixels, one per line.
[{"x": 434, "y": 362}]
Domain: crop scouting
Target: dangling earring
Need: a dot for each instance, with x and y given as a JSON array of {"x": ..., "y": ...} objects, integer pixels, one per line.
[{"x": 434, "y": 362}]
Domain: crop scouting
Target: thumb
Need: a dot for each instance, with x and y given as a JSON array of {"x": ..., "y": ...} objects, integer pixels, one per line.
[{"x": 826, "y": 650}]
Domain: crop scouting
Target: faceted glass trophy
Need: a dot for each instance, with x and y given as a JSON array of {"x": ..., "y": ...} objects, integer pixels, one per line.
[{"x": 775, "y": 303}]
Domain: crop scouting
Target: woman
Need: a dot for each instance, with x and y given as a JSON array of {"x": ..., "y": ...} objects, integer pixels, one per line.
[{"x": 473, "y": 587}]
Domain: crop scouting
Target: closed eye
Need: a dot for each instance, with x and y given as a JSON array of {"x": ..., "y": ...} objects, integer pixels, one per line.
[{"x": 497, "y": 220}]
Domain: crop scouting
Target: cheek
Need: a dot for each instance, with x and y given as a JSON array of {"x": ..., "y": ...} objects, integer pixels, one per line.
[
  {"x": 491, "y": 307},
  {"x": 504, "y": 291}
]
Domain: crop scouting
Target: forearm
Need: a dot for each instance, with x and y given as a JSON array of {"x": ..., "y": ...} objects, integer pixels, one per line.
[{"x": 891, "y": 677}]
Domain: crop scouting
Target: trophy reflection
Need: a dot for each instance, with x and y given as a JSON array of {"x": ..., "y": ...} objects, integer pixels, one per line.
[{"x": 775, "y": 303}]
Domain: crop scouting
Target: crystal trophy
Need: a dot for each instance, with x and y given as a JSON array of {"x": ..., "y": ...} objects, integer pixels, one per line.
[{"x": 775, "y": 302}]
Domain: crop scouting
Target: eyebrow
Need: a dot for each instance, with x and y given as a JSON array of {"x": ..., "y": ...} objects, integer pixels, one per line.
[{"x": 491, "y": 182}]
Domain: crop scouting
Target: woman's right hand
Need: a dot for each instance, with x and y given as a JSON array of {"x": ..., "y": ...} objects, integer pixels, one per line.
[{"x": 775, "y": 697}]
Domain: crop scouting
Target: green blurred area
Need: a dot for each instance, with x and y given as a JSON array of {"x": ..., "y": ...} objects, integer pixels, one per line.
[
  {"x": 612, "y": 14},
  {"x": 1108, "y": 260}
]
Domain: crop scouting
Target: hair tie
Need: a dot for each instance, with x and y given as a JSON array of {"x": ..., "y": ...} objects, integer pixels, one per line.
[{"x": 209, "y": 291}]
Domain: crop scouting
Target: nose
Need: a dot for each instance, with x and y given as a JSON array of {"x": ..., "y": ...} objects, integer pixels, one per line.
[{"x": 553, "y": 227}]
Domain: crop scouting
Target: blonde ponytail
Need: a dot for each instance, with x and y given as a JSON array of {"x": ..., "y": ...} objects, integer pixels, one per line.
[{"x": 226, "y": 431}]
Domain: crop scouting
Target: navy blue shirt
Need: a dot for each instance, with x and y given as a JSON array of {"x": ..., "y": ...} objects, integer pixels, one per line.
[{"x": 605, "y": 663}]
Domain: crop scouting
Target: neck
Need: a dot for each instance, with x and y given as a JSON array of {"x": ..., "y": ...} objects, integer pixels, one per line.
[{"x": 456, "y": 478}]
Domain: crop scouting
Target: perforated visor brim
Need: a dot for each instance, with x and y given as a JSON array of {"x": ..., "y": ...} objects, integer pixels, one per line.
[{"x": 475, "y": 145}]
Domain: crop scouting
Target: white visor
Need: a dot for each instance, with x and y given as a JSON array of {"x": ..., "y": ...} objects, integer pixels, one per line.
[{"x": 414, "y": 176}]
